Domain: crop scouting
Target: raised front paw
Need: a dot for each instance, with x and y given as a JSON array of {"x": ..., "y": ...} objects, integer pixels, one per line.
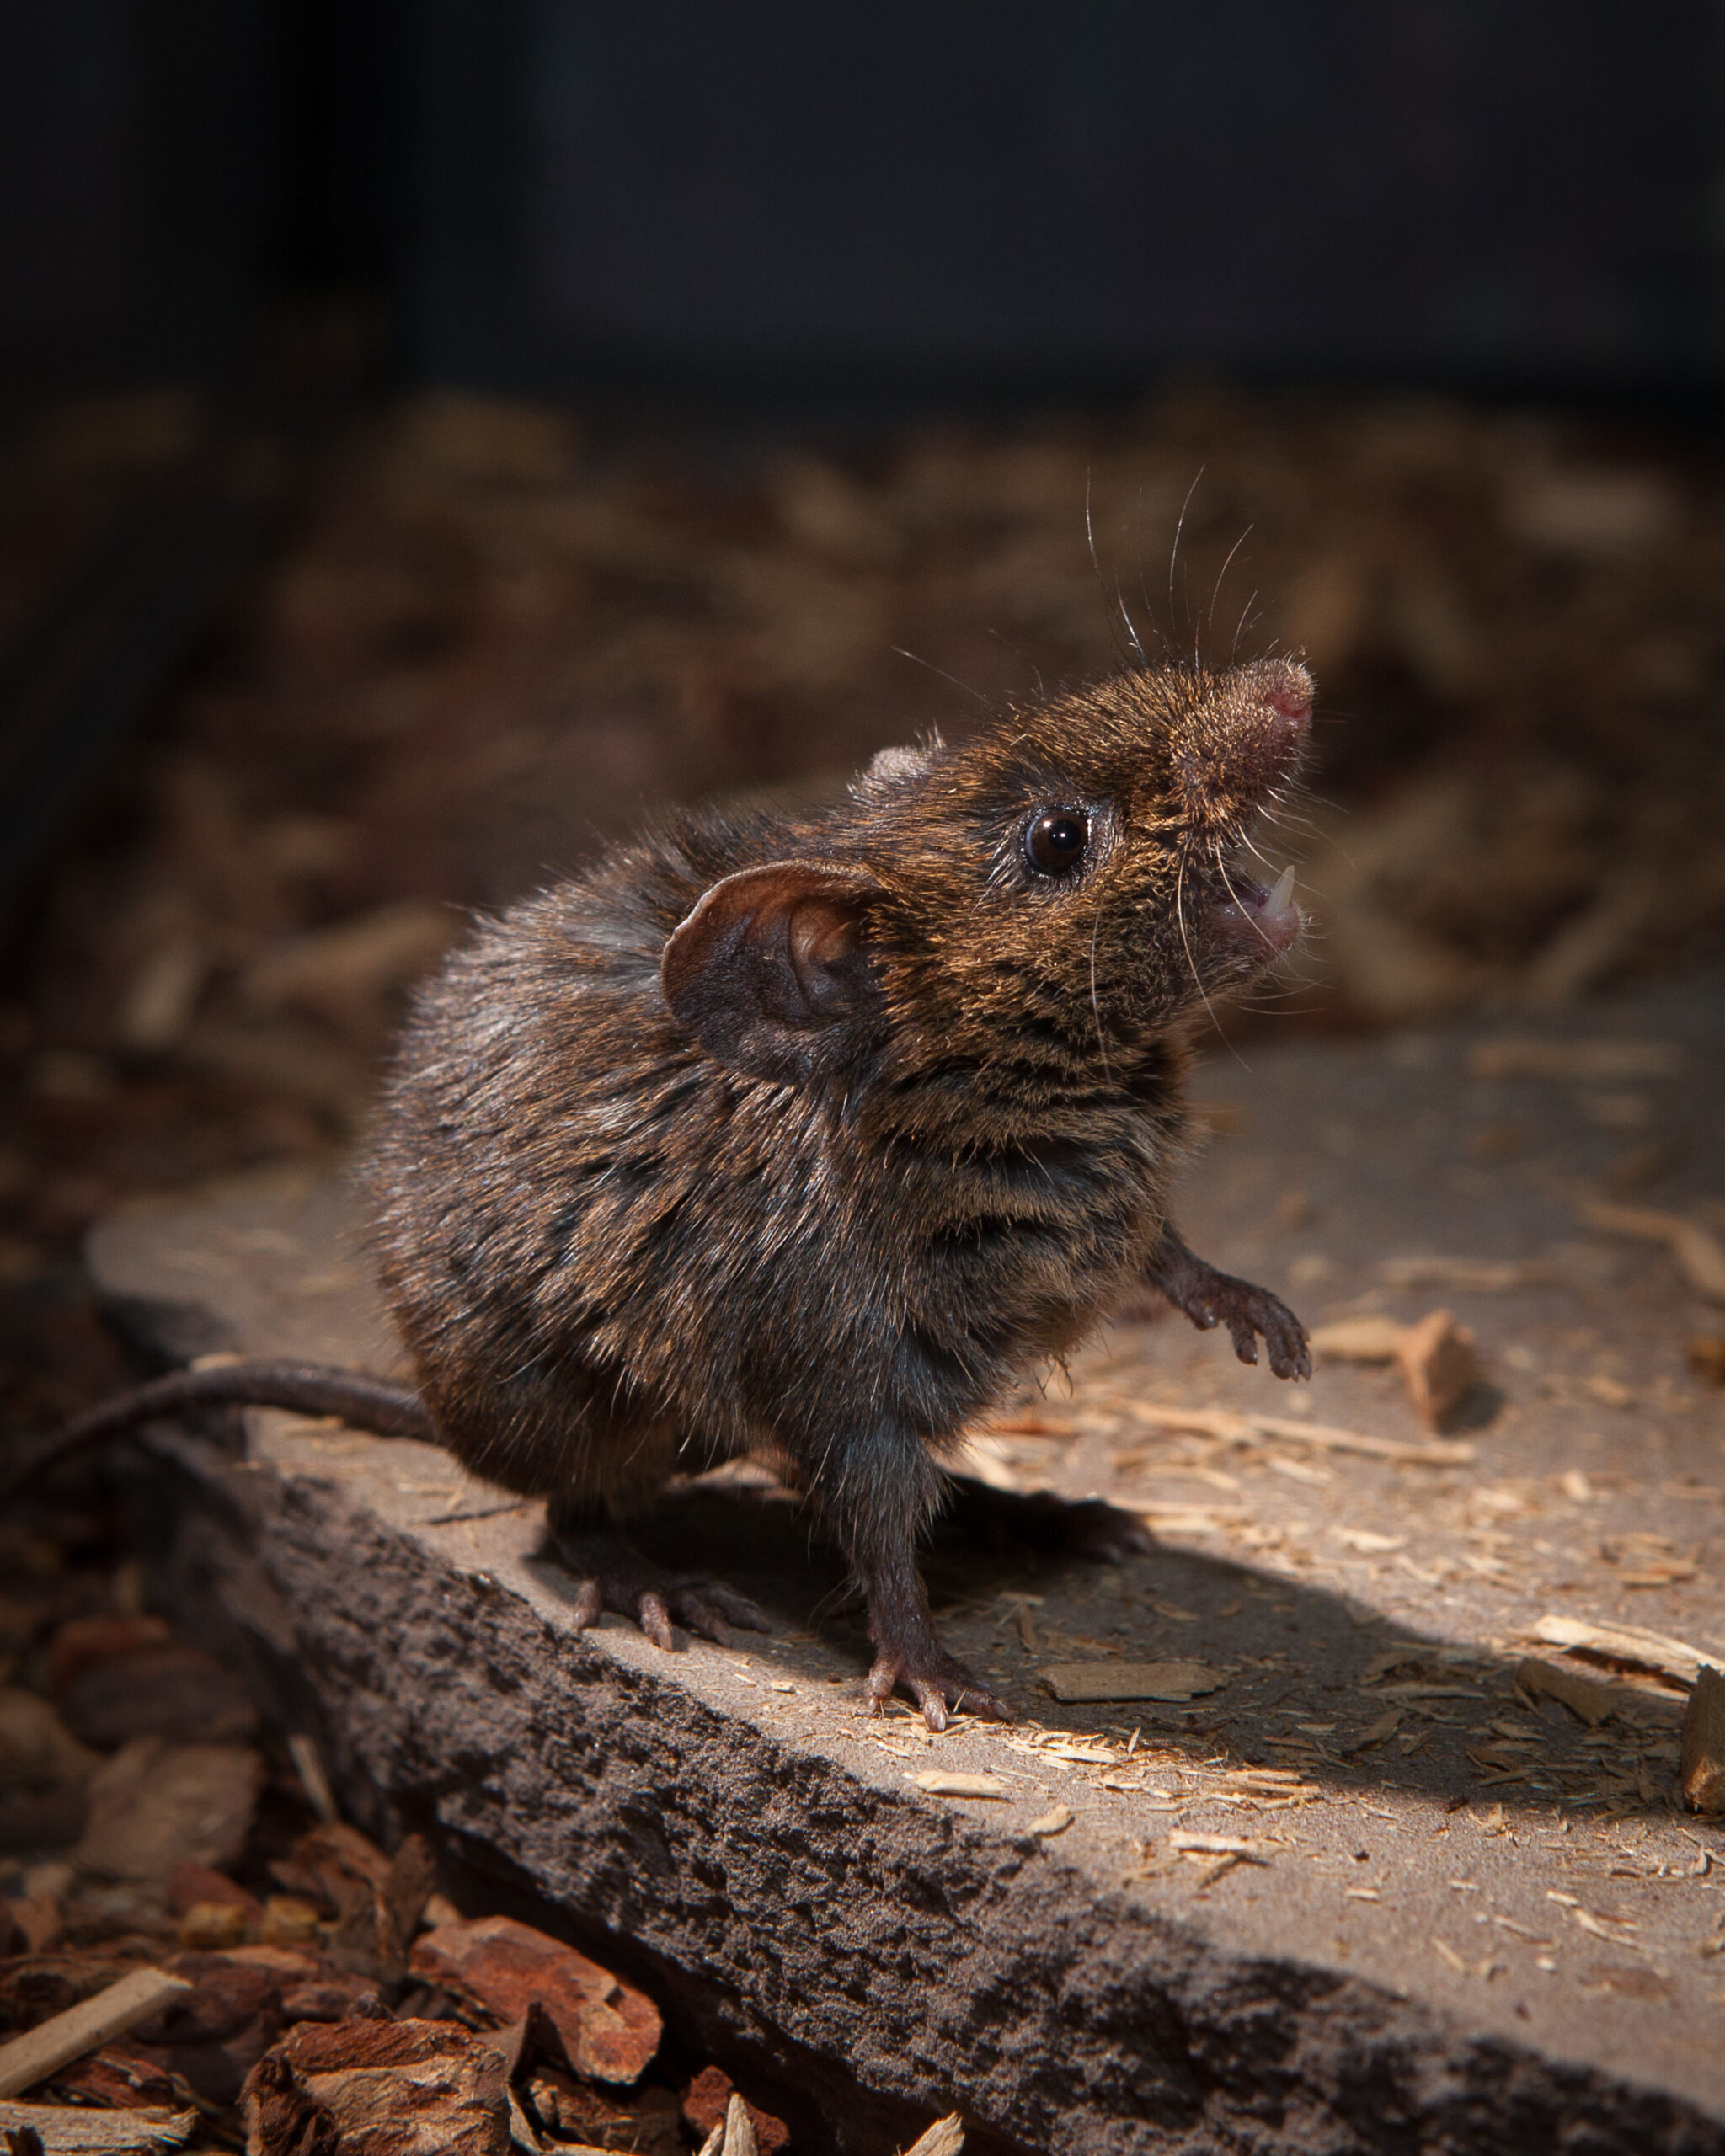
[
  {"x": 936, "y": 1682},
  {"x": 1212, "y": 1299},
  {"x": 611, "y": 1574}
]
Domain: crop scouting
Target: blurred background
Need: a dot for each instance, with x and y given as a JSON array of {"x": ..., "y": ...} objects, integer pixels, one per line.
[{"x": 433, "y": 430}]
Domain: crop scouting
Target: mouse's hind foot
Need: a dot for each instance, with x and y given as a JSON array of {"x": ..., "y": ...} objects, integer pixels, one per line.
[
  {"x": 910, "y": 1658},
  {"x": 1074, "y": 1527},
  {"x": 611, "y": 1574},
  {"x": 936, "y": 1680}
]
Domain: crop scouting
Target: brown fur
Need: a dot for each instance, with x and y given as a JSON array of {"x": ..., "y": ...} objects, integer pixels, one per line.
[{"x": 820, "y": 1161}]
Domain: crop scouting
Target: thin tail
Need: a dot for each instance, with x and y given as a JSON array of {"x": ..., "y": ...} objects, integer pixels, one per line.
[{"x": 387, "y": 1411}]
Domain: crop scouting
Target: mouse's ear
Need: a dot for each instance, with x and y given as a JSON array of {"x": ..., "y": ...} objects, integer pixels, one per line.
[
  {"x": 889, "y": 767},
  {"x": 770, "y": 972}
]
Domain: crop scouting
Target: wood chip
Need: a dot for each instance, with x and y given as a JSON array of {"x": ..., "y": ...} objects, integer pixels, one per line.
[
  {"x": 609, "y": 2030},
  {"x": 1626, "y": 1643},
  {"x": 1703, "y": 1768},
  {"x": 936, "y": 1782},
  {"x": 1244, "y": 1429},
  {"x": 1368, "y": 1339},
  {"x": 1131, "y": 1680},
  {"x": 739, "y": 2129},
  {"x": 1056, "y": 1821},
  {"x": 1698, "y": 1252},
  {"x": 1383, "y": 1728},
  {"x": 354, "y": 2086},
  {"x": 34, "y": 2056},
  {"x": 1219, "y": 1845},
  {"x": 945, "y": 2137},
  {"x": 1584, "y": 1696},
  {"x": 1439, "y": 1367},
  {"x": 1600, "y": 1062},
  {"x": 69, "y": 2130}
]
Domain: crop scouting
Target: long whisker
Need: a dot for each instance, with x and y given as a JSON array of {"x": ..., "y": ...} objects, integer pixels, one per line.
[
  {"x": 917, "y": 659},
  {"x": 1174, "y": 551},
  {"x": 1253, "y": 847},
  {"x": 1209, "y": 627},
  {"x": 1191, "y": 962},
  {"x": 1102, "y": 582},
  {"x": 1240, "y": 628}
]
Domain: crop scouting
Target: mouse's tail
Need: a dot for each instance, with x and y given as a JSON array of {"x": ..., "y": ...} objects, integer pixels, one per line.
[{"x": 371, "y": 1404}]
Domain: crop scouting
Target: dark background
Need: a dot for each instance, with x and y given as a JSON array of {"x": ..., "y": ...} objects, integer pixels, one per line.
[{"x": 545, "y": 195}]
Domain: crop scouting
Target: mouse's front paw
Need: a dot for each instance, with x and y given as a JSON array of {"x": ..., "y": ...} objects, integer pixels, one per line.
[
  {"x": 1219, "y": 1299},
  {"x": 936, "y": 1681}
]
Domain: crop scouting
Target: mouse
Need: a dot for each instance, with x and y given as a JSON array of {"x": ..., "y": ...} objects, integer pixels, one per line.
[{"x": 809, "y": 1135}]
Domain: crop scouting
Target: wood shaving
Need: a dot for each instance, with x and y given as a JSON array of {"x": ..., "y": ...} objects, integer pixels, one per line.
[
  {"x": 1468, "y": 1276},
  {"x": 1244, "y": 1429},
  {"x": 111, "y": 2013},
  {"x": 1606, "y": 1062},
  {"x": 1253, "y": 1852},
  {"x": 935, "y": 1781},
  {"x": 945, "y": 2137},
  {"x": 1054, "y": 1820},
  {"x": 1060, "y": 1748},
  {"x": 1627, "y": 1643},
  {"x": 1173, "y": 1681},
  {"x": 1367, "y": 1339},
  {"x": 1698, "y": 1252}
]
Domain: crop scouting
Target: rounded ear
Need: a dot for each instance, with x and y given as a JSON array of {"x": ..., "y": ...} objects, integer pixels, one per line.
[{"x": 770, "y": 974}]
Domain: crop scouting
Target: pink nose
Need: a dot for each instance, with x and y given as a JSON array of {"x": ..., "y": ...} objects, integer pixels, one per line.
[{"x": 1288, "y": 704}]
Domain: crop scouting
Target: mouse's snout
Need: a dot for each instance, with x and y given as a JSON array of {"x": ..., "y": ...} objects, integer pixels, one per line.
[{"x": 1254, "y": 733}]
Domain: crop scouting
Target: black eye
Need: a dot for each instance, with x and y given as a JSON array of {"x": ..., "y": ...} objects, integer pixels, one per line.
[{"x": 1057, "y": 841}]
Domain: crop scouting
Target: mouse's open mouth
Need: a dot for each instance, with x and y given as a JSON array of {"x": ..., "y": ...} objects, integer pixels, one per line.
[{"x": 1263, "y": 922}]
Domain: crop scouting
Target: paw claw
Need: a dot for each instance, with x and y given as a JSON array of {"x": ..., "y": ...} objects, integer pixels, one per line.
[
  {"x": 934, "y": 1712},
  {"x": 937, "y": 1682},
  {"x": 654, "y": 1617},
  {"x": 610, "y": 1574}
]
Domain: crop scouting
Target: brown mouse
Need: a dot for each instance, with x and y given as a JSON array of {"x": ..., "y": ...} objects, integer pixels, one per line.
[{"x": 810, "y": 1135}]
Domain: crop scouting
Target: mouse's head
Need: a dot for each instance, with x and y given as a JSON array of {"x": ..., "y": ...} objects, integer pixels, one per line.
[{"x": 1054, "y": 893}]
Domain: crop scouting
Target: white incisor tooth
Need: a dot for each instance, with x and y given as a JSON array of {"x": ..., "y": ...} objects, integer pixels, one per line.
[{"x": 1283, "y": 892}]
